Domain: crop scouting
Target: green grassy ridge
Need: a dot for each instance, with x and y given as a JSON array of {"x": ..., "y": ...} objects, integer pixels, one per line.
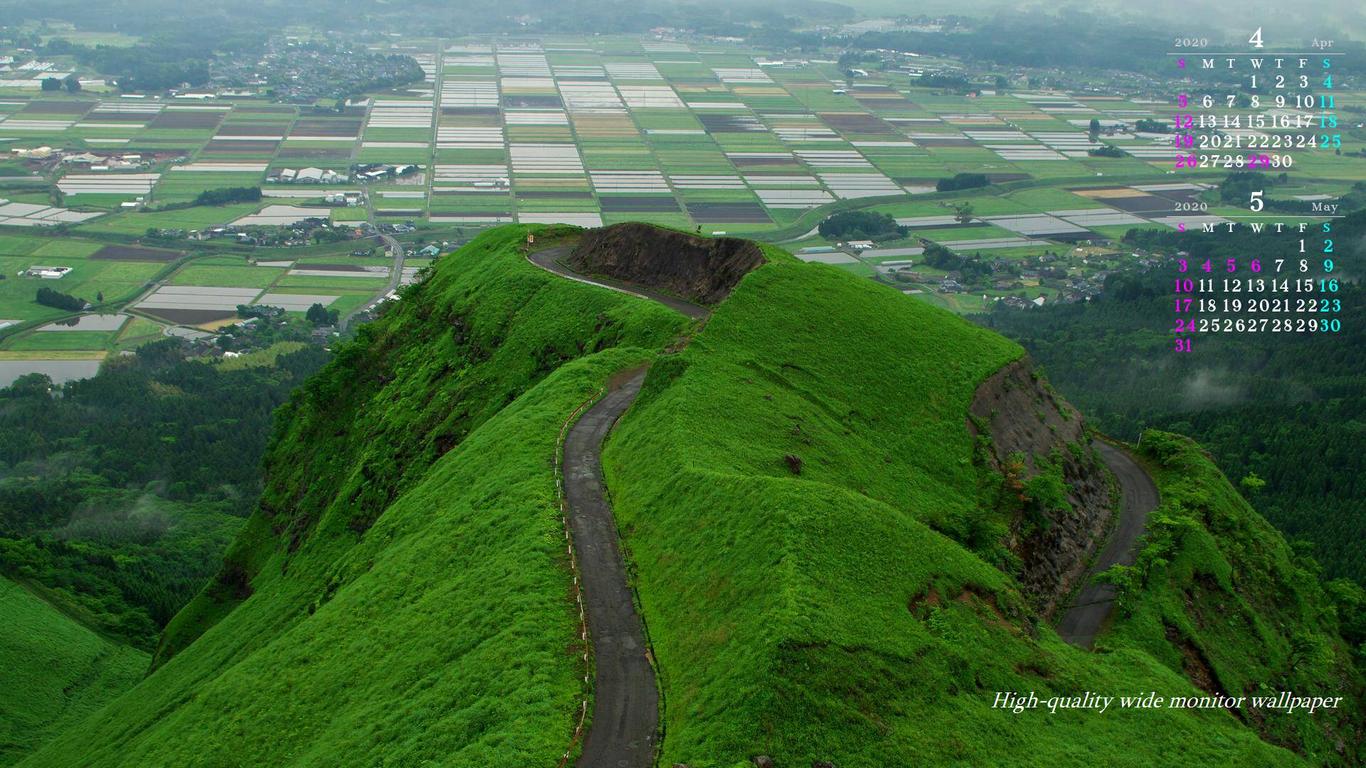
[
  {"x": 56, "y": 670},
  {"x": 408, "y": 598},
  {"x": 442, "y": 631},
  {"x": 1215, "y": 574},
  {"x": 820, "y": 615},
  {"x": 450, "y": 354}
]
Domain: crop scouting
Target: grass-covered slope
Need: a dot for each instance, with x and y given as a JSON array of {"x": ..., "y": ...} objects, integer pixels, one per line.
[
  {"x": 402, "y": 598},
  {"x": 1217, "y": 594},
  {"x": 55, "y": 672},
  {"x": 780, "y": 484},
  {"x": 806, "y": 519}
]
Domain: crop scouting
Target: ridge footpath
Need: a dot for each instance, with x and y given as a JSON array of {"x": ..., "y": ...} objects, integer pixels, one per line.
[{"x": 625, "y": 722}]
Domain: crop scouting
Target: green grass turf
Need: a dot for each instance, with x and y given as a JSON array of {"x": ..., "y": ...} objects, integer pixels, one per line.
[
  {"x": 1051, "y": 199},
  {"x": 66, "y": 248},
  {"x": 187, "y": 218},
  {"x": 474, "y": 634},
  {"x": 182, "y": 187},
  {"x": 777, "y": 603},
  {"x": 227, "y": 277},
  {"x": 349, "y": 301},
  {"x": 348, "y": 214},
  {"x": 300, "y": 282},
  {"x": 1226, "y": 582},
  {"x": 53, "y": 670},
  {"x": 87, "y": 279},
  {"x": 139, "y": 331},
  {"x": 61, "y": 340}
]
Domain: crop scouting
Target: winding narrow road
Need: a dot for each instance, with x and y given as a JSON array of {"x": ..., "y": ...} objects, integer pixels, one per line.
[
  {"x": 550, "y": 259},
  {"x": 625, "y": 720},
  {"x": 1092, "y": 606},
  {"x": 395, "y": 249},
  {"x": 625, "y": 697}
]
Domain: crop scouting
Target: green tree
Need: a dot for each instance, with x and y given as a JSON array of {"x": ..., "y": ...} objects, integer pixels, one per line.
[
  {"x": 962, "y": 181},
  {"x": 858, "y": 225},
  {"x": 319, "y": 315}
]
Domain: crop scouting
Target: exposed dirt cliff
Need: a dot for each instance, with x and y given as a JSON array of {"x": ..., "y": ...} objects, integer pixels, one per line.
[
  {"x": 699, "y": 269},
  {"x": 1056, "y": 487}
]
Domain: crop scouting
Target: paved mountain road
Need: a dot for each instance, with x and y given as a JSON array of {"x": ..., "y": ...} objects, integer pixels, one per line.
[
  {"x": 625, "y": 722},
  {"x": 625, "y": 698},
  {"x": 549, "y": 260},
  {"x": 1091, "y": 607}
]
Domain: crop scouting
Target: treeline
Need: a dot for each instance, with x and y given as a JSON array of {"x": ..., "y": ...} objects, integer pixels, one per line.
[
  {"x": 860, "y": 225},
  {"x": 70, "y": 84},
  {"x": 1281, "y": 412},
  {"x": 1032, "y": 40},
  {"x": 51, "y": 297},
  {"x": 148, "y": 67},
  {"x": 228, "y": 195},
  {"x": 755, "y": 20},
  {"x": 119, "y": 493},
  {"x": 961, "y": 181},
  {"x": 164, "y": 62},
  {"x": 321, "y": 316},
  {"x": 220, "y": 196},
  {"x": 972, "y": 270}
]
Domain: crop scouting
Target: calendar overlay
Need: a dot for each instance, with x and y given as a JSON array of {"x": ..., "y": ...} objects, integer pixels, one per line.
[{"x": 1255, "y": 114}]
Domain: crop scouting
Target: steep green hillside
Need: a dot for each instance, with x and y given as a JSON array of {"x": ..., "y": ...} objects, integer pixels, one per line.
[
  {"x": 55, "y": 672},
  {"x": 780, "y": 484},
  {"x": 403, "y": 594},
  {"x": 1217, "y": 593},
  {"x": 814, "y": 534}
]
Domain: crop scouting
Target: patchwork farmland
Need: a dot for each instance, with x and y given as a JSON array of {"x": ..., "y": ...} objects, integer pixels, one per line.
[
  {"x": 699, "y": 135},
  {"x": 590, "y": 131}
]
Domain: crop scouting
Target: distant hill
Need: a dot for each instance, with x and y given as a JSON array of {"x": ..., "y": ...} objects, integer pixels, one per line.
[
  {"x": 1204, "y": 18},
  {"x": 849, "y": 517}
]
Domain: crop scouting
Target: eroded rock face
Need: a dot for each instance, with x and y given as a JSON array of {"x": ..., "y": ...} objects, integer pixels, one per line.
[
  {"x": 700, "y": 269},
  {"x": 1027, "y": 422}
]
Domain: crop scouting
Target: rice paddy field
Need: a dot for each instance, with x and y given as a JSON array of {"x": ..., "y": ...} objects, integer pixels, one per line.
[
  {"x": 598, "y": 130},
  {"x": 141, "y": 293},
  {"x": 707, "y": 136}
]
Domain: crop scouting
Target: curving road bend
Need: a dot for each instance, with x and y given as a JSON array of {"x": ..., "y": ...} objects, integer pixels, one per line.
[
  {"x": 625, "y": 724},
  {"x": 549, "y": 260},
  {"x": 1092, "y": 606}
]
